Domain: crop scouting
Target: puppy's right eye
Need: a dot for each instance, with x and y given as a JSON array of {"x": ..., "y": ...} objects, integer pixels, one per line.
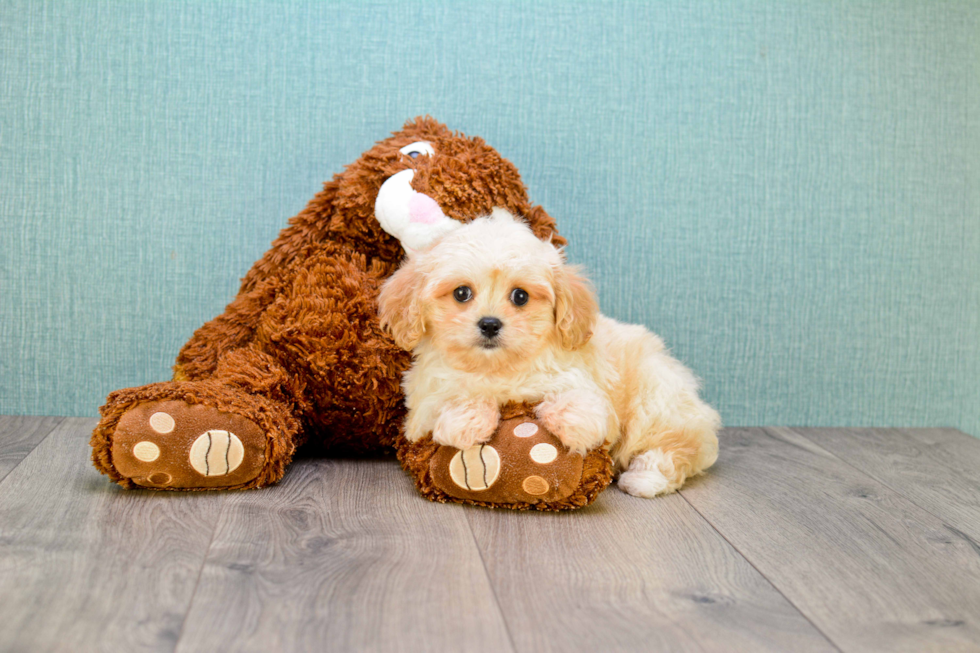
[{"x": 463, "y": 294}]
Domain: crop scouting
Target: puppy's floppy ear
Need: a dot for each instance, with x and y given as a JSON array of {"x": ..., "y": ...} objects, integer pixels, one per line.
[
  {"x": 400, "y": 305},
  {"x": 576, "y": 309}
]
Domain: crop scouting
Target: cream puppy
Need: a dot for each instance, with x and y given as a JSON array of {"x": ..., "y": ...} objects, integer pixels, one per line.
[{"x": 492, "y": 314}]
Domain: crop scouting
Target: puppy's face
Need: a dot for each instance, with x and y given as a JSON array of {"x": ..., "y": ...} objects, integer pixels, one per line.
[
  {"x": 490, "y": 296},
  {"x": 482, "y": 316}
]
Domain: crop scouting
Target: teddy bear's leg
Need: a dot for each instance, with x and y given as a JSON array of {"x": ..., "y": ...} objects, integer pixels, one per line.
[
  {"x": 316, "y": 362},
  {"x": 236, "y": 430}
]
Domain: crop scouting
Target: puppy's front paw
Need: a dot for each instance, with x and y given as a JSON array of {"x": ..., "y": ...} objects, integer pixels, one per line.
[
  {"x": 465, "y": 425},
  {"x": 579, "y": 418}
]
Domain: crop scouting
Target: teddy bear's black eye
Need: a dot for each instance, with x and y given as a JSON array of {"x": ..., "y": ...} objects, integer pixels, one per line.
[
  {"x": 463, "y": 294},
  {"x": 519, "y": 296}
]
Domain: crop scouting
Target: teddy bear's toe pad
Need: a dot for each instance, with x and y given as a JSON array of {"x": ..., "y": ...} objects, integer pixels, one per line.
[
  {"x": 173, "y": 444},
  {"x": 476, "y": 468}
]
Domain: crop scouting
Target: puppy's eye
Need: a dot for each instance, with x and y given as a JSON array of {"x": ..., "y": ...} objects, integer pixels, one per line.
[
  {"x": 519, "y": 296},
  {"x": 463, "y": 294},
  {"x": 416, "y": 149}
]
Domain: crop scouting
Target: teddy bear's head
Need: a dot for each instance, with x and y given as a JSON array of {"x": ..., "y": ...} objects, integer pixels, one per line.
[
  {"x": 404, "y": 192},
  {"x": 421, "y": 183}
]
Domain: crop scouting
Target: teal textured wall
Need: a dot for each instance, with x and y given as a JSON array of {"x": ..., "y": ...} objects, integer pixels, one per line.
[{"x": 788, "y": 192}]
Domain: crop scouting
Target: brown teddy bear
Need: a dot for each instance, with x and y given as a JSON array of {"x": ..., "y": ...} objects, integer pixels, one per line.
[{"x": 299, "y": 354}]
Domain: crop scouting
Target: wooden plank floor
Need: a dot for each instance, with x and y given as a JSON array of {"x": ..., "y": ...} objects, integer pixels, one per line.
[{"x": 797, "y": 540}]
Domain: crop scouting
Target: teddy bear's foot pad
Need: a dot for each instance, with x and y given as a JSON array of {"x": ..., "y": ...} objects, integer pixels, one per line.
[
  {"x": 522, "y": 463},
  {"x": 522, "y": 467},
  {"x": 174, "y": 444}
]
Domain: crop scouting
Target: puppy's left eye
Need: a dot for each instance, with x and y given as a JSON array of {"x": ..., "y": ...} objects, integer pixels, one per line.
[
  {"x": 518, "y": 296},
  {"x": 463, "y": 294}
]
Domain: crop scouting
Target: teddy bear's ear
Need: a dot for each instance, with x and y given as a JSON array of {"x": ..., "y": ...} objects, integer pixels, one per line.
[
  {"x": 576, "y": 309},
  {"x": 400, "y": 305}
]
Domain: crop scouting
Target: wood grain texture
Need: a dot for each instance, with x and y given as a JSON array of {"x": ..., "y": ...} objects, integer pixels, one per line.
[
  {"x": 629, "y": 574},
  {"x": 868, "y": 567},
  {"x": 343, "y": 555},
  {"x": 936, "y": 469},
  {"x": 809, "y": 539},
  {"x": 85, "y": 565},
  {"x": 18, "y": 437}
]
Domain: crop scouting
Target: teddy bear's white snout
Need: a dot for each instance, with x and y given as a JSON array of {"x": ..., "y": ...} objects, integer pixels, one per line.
[{"x": 415, "y": 219}]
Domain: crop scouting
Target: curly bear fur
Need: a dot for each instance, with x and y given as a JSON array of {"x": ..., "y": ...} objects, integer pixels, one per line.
[{"x": 299, "y": 351}]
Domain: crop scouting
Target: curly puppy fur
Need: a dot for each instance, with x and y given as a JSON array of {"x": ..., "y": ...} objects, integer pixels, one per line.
[
  {"x": 494, "y": 315},
  {"x": 299, "y": 351}
]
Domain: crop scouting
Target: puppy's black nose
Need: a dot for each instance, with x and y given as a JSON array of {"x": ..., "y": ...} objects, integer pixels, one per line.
[{"x": 489, "y": 326}]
